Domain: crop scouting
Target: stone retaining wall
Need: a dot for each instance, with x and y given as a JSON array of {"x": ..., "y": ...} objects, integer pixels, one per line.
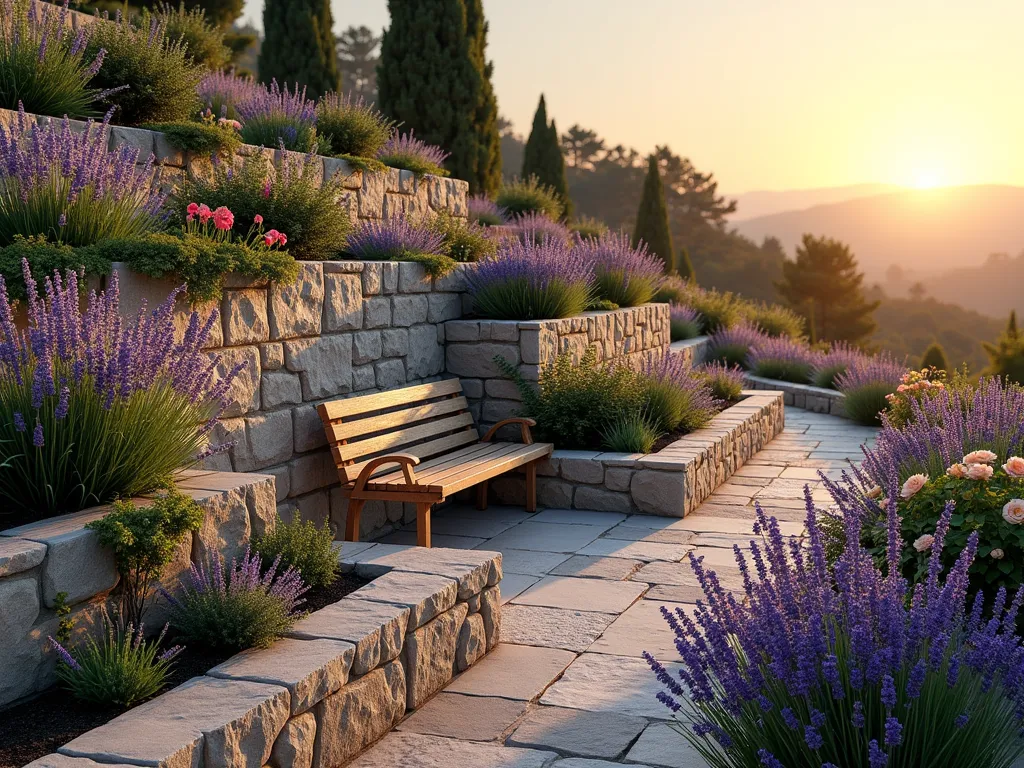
[
  {"x": 815, "y": 399},
  {"x": 40, "y": 560},
  {"x": 672, "y": 482},
  {"x": 694, "y": 350},
  {"x": 628, "y": 335},
  {"x": 344, "y": 676}
]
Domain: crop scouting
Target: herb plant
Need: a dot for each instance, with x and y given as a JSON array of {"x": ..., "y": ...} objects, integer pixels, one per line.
[{"x": 302, "y": 546}]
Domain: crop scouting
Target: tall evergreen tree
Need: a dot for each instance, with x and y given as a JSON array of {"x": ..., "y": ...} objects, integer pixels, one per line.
[
  {"x": 824, "y": 285},
  {"x": 543, "y": 156},
  {"x": 935, "y": 357},
  {"x": 652, "y": 218},
  {"x": 1006, "y": 356},
  {"x": 433, "y": 78},
  {"x": 683, "y": 265},
  {"x": 299, "y": 45}
]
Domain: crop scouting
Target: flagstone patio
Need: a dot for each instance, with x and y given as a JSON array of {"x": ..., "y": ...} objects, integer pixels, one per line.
[{"x": 567, "y": 687}]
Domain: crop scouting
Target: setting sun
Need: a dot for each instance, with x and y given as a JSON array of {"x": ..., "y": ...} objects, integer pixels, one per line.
[{"x": 927, "y": 179}]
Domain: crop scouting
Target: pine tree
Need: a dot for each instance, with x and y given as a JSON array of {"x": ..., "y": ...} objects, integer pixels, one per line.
[
  {"x": 433, "y": 78},
  {"x": 824, "y": 286},
  {"x": 652, "y": 218},
  {"x": 935, "y": 357},
  {"x": 543, "y": 157},
  {"x": 299, "y": 45},
  {"x": 1006, "y": 356}
]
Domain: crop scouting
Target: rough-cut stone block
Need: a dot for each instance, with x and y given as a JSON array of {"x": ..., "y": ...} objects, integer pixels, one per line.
[
  {"x": 659, "y": 493},
  {"x": 390, "y": 373},
  {"x": 325, "y": 364},
  {"x": 311, "y": 670},
  {"x": 472, "y": 643},
  {"x": 19, "y": 652},
  {"x": 412, "y": 278},
  {"x": 226, "y": 527},
  {"x": 376, "y": 629},
  {"x": 202, "y": 722},
  {"x": 372, "y": 278},
  {"x": 366, "y": 347},
  {"x": 429, "y": 655},
  {"x": 17, "y": 555},
  {"x": 425, "y": 595},
  {"x": 272, "y": 356},
  {"x": 409, "y": 310},
  {"x": 364, "y": 378},
  {"x": 268, "y": 440},
  {"x": 462, "y": 330},
  {"x": 443, "y": 306},
  {"x": 296, "y": 308},
  {"x": 600, "y": 500},
  {"x": 371, "y": 196},
  {"x": 490, "y": 610},
  {"x": 425, "y": 354},
  {"x": 474, "y": 570},
  {"x": 582, "y": 470},
  {"x": 477, "y": 360},
  {"x": 343, "y": 302},
  {"x": 279, "y": 388},
  {"x": 244, "y": 314},
  {"x": 359, "y": 714},
  {"x": 395, "y": 342},
  {"x": 376, "y": 312},
  {"x": 309, "y": 429},
  {"x": 294, "y": 746},
  {"x": 243, "y": 395}
]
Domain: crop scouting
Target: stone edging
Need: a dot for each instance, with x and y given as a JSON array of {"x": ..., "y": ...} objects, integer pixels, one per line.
[
  {"x": 672, "y": 482},
  {"x": 695, "y": 350},
  {"x": 814, "y": 399},
  {"x": 341, "y": 679}
]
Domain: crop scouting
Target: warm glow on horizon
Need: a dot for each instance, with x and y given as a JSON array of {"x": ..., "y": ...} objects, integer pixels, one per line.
[{"x": 928, "y": 179}]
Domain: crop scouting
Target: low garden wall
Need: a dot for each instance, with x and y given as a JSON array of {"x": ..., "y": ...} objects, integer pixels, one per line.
[
  {"x": 341, "y": 679},
  {"x": 671, "y": 482},
  {"x": 628, "y": 335},
  {"x": 40, "y": 560},
  {"x": 814, "y": 399},
  {"x": 694, "y": 351}
]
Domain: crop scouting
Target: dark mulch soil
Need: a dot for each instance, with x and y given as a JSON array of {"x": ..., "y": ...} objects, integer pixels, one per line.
[{"x": 38, "y": 727}]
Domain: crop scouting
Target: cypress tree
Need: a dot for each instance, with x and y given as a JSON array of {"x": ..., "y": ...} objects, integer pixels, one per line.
[
  {"x": 299, "y": 45},
  {"x": 542, "y": 157},
  {"x": 556, "y": 163},
  {"x": 1006, "y": 356},
  {"x": 652, "y": 218},
  {"x": 534, "y": 152},
  {"x": 935, "y": 356},
  {"x": 433, "y": 78},
  {"x": 684, "y": 267}
]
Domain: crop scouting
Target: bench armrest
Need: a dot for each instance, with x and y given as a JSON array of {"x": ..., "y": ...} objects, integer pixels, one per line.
[
  {"x": 524, "y": 426},
  {"x": 407, "y": 460}
]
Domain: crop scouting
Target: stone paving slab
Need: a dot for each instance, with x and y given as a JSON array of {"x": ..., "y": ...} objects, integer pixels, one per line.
[
  {"x": 579, "y": 517},
  {"x": 577, "y": 732},
  {"x": 589, "y": 567},
  {"x": 530, "y": 562},
  {"x": 636, "y": 550},
  {"x": 582, "y": 594},
  {"x": 493, "y": 513},
  {"x": 681, "y": 574},
  {"x": 552, "y": 627},
  {"x": 413, "y": 750},
  {"x": 437, "y": 539},
  {"x": 63, "y": 761},
  {"x": 603, "y": 683},
  {"x": 464, "y": 527},
  {"x": 457, "y": 716},
  {"x": 17, "y": 555},
  {"x": 586, "y": 762},
  {"x": 641, "y": 628},
  {"x": 513, "y": 672},
  {"x": 545, "y": 537},
  {"x": 628, "y": 532},
  {"x": 514, "y": 584},
  {"x": 661, "y": 745}
]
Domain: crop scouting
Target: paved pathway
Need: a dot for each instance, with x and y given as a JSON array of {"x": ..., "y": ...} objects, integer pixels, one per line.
[{"x": 567, "y": 688}]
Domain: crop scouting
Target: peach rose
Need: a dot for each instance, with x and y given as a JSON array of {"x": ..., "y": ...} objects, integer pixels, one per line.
[
  {"x": 979, "y": 471},
  {"x": 1014, "y": 466},
  {"x": 996, "y": 554},
  {"x": 914, "y": 484},
  {"x": 924, "y": 543},
  {"x": 957, "y": 470},
  {"x": 883, "y": 503},
  {"x": 1013, "y": 511},
  {"x": 980, "y": 457},
  {"x": 874, "y": 492}
]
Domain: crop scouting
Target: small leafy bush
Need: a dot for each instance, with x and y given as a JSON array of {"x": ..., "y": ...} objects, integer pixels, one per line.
[
  {"x": 633, "y": 432},
  {"x": 586, "y": 227},
  {"x": 302, "y": 546},
  {"x": 44, "y": 258},
  {"x": 401, "y": 239},
  {"x": 120, "y": 670},
  {"x": 915, "y": 386},
  {"x": 530, "y": 196},
  {"x": 203, "y": 40},
  {"x": 733, "y": 346},
  {"x": 407, "y": 152},
  {"x": 783, "y": 359},
  {"x": 531, "y": 281},
  {"x": 44, "y": 66},
  {"x": 725, "y": 382},
  {"x": 350, "y": 126},
  {"x": 675, "y": 398},
  {"x": 684, "y": 322},
  {"x": 203, "y": 138},
  {"x": 235, "y": 608},
  {"x": 775, "y": 320},
  {"x": 144, "y": 540},
  {"x": 290, "y": 200},
  {"x": 276, "y": 117},
  {"x": 159, "y": 73},
  {"x": 866, "y": 387},
  {"x": 625, "y": 275},
  {"x": 486, "y": 212},
  {"x": 463, "y": 241},
  {"x": 717, "y": 311}
]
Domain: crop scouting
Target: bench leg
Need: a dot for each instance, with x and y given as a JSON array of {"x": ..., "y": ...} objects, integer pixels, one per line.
[
  {"x": 355, "y": 506},
  {"x": 481, "y": 495},
  {"x": 531, "y": 487},
  {"x": 423, "y": 525}
]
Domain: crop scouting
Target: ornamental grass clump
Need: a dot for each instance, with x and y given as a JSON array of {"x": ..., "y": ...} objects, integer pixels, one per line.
[
  {"x": 837, "y": 359},
  {"x": 276, "y": 117},
  {"x": 718, "y": 311},
  {"x": 675, "y": 398},
  {"x": 94, "y": 407},
  {"x": 725, "y": 382},
  {"x": 783, "y": 359},
  {"x": 405, "y": 151},
  {"x": 486, "y": 212},
  {"x": 401, "y": 239},
  {"x": 733, "y": 346},
  {"x": 518, "y": 197},
  {"x": 44, "y": 66},
  {"x": 866, "y": 386},
  {"x": 775, "y": 320},
  {"x": 624, "y": 274},
  {"x": 814, "y": 666},
  {"x": 203, "y": 40},
  {"x": 239, "y": 607},
  {"x": 531, "y": 281},
  {"x": 350, "y": 126},
  {"x": 535, "y": 227},
  {"x": 684, "y": 322},
  {"x": 633, "y": 432},
  {"x": 68, "y": 188},
  {"x": 220, "y": 93}
]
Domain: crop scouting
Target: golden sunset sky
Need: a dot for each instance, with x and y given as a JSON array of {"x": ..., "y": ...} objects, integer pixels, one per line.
[{"x": 779, "y": 94}]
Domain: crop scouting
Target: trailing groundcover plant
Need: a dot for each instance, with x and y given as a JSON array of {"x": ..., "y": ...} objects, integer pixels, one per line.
[
  {"x": 819, "y": 667},
  {"x": 94, "y": 407}
]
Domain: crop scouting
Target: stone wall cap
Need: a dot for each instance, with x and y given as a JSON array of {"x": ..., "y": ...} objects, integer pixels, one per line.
[
  {"x": 17, "y": 555},
  {"x": 56, "y": 528},
  {"x": 426, "y": 595}
]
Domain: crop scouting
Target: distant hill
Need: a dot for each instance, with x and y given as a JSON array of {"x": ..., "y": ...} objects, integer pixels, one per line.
[
  {"x": 752, "y": 205},
  {"x": 993, "y": 290},
  {"x": 926, "y": 230}
]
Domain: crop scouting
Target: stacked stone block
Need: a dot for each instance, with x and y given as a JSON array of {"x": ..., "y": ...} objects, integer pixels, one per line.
[{"x": 814, "y": 399}]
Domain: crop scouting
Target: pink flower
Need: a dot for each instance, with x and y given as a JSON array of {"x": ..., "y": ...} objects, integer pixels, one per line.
[
  {"x": 979, "y": 471},
  {"x": 192, "y": 209},
  {"x": 282, "y": 239},
  {"x": 1014, "y": 466},
  {"x": 1013, "y": 511},
  {"x": 979, "y": 457},
  {"x": 997, "y": 554},
  {"x": 957, "y": 470},
  {"x": 924, "y": 542},
  {"x": 189, "y": 218},
  {"x": 257, "y": 219},
  {"x": 271, "y": 237},
  {"x": 266, "y": 189},
  {"x": 228, "y": 123},
  {"x": 914, "y": 484},
  {"x": 223, "y": 218},
  {"x": 205, "y": 213}
]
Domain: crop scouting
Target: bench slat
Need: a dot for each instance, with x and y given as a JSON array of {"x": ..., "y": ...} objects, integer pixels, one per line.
[
  {"x": 475, "y": 472},
  {"x": 352, "y": 406},
  {"x": 347, "y": 430},
  {"x": 425, "y": 450},
  {"x": 435, "y": 470},
  {"x": 394, "y": 441}
]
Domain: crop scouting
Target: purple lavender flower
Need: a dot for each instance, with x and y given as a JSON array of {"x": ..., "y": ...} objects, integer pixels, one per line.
[
  {"x": 840, "y": 357},
  {"x": 222, "y": 92},
  {"x": 535, "y": 227},
  {"x": 877, "y": 369},
  {"x": 482, "y": 210},
  {"x": 409, "y": 153},
  {"x": 383, "y": 239},
  {"x": 64, "y": 655},
  {"x": 684, "y": 322},
  {"x": 733, "y": 345},
  {"x": 625, "y": 274},
  {"x": 275, "y": 116},
  {"x": 783, "y": 359}
]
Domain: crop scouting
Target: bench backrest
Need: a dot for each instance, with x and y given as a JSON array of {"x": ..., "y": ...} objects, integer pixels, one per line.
[{"x": 424, "y": 420}]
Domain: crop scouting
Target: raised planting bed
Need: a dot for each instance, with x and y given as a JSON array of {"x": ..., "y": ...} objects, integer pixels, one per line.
[
  {"x": 671, "y": 482},
  {"x": 815, "y": 399},
  {"x": 340, "y": 680}
]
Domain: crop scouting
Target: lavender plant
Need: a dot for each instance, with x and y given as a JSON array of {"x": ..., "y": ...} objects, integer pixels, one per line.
[
  {"x": 839, "y": 358},
  {"x": 533, "y": 227},
  {"x": 815, "y": 666},
  {"x": 718, "y": 311},
  {"x": 95, "y": 407},
  {"x": 275, "y": 116},
  {"x": 866, "y": 386},
  {"x": 407, "y": 152},
  {"x": 238, "y": 607},
  {"x": 733, "y": 345},
  {"x": 725, "y": 382},
  {"x": 66, "y": 187},
  {"x": 486, "y": 212},
  {"x": 588, "y": 227},
  {"x": 401, "y": 239},
  {"x": 624, "y": 274},
  {"x": 531, "y": 281},
  {"x": 463, "y": 240},
  {"x": 43, "y": 64},
  {"x": 220, "y": 93},
  {"x": 350, "y": 126},
  {"x": 675, "y": 398},
  {"x": 684, "y": 322},
  {"x": 783, "y": 359}
]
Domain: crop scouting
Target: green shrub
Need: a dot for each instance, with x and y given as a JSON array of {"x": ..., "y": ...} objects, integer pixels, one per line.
[
  {"x": 726, "y": 383},
  {"x": 520, "y": 197},
  {"x": 774, "y": 320},
  {"x": 44, "y": 257},
  {"x": 204, "y": 41},
  {"x": 41, "y": 67},
  {"x": 715, "y": 310},
  {"x": 199, "y": 262},
  {"x": 201, "y": 138},
  {"x": 144, "y": 540},
  {"x": 463, "y": 241},
  {"x": 588, "y": 227},
  {"x": 684, "y": 323},
  {"x": 864, "y": 404},
  {"x": 630, "y": 433},
  {"x": 291, "y": 200},
  {"x": 351, "y": 126},
  {"x": 674, "y": 290},
  {"x": 120, "y": 670},
  {"x": 302, "y": 546},
  {"x": 160, "y": 75}
]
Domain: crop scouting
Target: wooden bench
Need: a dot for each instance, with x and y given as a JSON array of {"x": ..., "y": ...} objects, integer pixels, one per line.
[{"x": 419, "y": 444}]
